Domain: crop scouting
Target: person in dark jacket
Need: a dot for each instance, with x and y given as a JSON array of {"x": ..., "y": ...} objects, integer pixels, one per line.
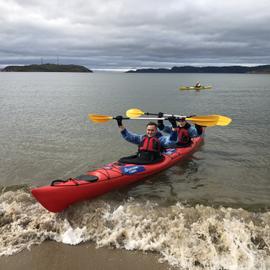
[
  {"x": 184, "y": 130},
  {"x": 150, "y": 145},
  {"x": 198, "y": 85}
]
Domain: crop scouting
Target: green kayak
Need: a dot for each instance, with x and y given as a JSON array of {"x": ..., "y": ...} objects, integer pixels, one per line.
[{"x": 195, "y": 88}]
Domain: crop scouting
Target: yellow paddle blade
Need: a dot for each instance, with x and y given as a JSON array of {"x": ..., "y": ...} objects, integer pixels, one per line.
[
  {"x": 205, "y": 120},
  {"x": 223, "y": 120},
  {"x": 99, "y": 118},
  {"x": 134, "y": 113}
]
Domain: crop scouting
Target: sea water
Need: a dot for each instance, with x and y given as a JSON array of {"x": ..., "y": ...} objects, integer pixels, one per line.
[{"x": 210, "y": 211}]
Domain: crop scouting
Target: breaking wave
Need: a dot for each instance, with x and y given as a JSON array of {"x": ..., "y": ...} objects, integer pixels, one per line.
[{"x": 185, "y": 236}]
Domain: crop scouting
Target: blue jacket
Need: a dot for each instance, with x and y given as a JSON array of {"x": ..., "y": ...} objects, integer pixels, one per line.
[{"x": 165, "y": 141}]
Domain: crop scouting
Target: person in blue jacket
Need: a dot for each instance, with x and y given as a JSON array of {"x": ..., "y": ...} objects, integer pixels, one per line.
[
  {"x": 184, "y": 130},
  {"x": 150, "y": 145}
]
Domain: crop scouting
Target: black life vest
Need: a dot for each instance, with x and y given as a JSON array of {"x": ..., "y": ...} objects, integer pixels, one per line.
[{"x": 183, "y": 136}]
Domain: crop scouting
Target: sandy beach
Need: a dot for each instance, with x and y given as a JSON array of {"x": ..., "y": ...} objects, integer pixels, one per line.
[{"x": 52, "y": 255}]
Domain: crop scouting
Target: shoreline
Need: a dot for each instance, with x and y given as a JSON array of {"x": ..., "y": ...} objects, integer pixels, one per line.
[{"x": 52, "y": 255}]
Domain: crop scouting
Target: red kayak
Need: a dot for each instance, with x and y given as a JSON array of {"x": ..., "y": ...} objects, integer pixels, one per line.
[{"x": 61, "y": 194}]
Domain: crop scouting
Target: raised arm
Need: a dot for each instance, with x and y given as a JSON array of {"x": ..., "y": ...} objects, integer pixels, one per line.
[{"x": 131, "y": 137}]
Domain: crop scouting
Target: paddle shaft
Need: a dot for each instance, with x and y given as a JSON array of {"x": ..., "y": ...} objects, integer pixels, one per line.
[
  {"x": 168, "y": 115},
  {"x": 144, "y": 118},
  {"x": 202, "y": 122},
  {"x": 198, "y": 122}
]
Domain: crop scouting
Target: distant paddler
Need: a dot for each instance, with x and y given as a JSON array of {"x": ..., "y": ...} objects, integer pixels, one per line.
[{"x": 198, "y": 84}]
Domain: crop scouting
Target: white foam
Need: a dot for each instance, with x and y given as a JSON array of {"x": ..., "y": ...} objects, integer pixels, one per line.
[
  {"x": 70, "y": 235},
  {"x": 190, "y": 238}
]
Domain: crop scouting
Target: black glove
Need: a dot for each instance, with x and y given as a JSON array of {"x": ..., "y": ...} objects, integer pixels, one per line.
[
  {"x": 119, "y": 119},
  {"x": 187, "y": 125},
  {"x": 160, "y": 122},
  {"x": 172, "y": 120},
  {"x": 199, "y": 129}
]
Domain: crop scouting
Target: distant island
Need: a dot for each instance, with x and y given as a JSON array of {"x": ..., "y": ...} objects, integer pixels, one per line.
[
  {"x": 46, "y": 68},
  {"x": 264, "y": 69}
]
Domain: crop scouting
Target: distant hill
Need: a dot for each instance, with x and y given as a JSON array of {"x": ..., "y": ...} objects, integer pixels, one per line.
[
  {"x": 265, "y": 69},
  {"x": 46, "y": 68}
]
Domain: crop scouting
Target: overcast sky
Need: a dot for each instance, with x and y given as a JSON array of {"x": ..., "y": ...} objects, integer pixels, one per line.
[{"x": 135, "y": 33}]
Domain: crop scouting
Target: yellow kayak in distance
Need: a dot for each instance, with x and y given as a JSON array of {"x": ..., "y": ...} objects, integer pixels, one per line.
[{"x": 195, "y": 88}]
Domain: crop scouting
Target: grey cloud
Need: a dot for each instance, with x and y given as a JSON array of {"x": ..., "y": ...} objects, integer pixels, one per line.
[{"x": 118, "y": 33}]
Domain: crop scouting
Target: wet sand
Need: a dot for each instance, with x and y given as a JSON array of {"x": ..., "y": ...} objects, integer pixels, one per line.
[{"x": 52, "y": 255}]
